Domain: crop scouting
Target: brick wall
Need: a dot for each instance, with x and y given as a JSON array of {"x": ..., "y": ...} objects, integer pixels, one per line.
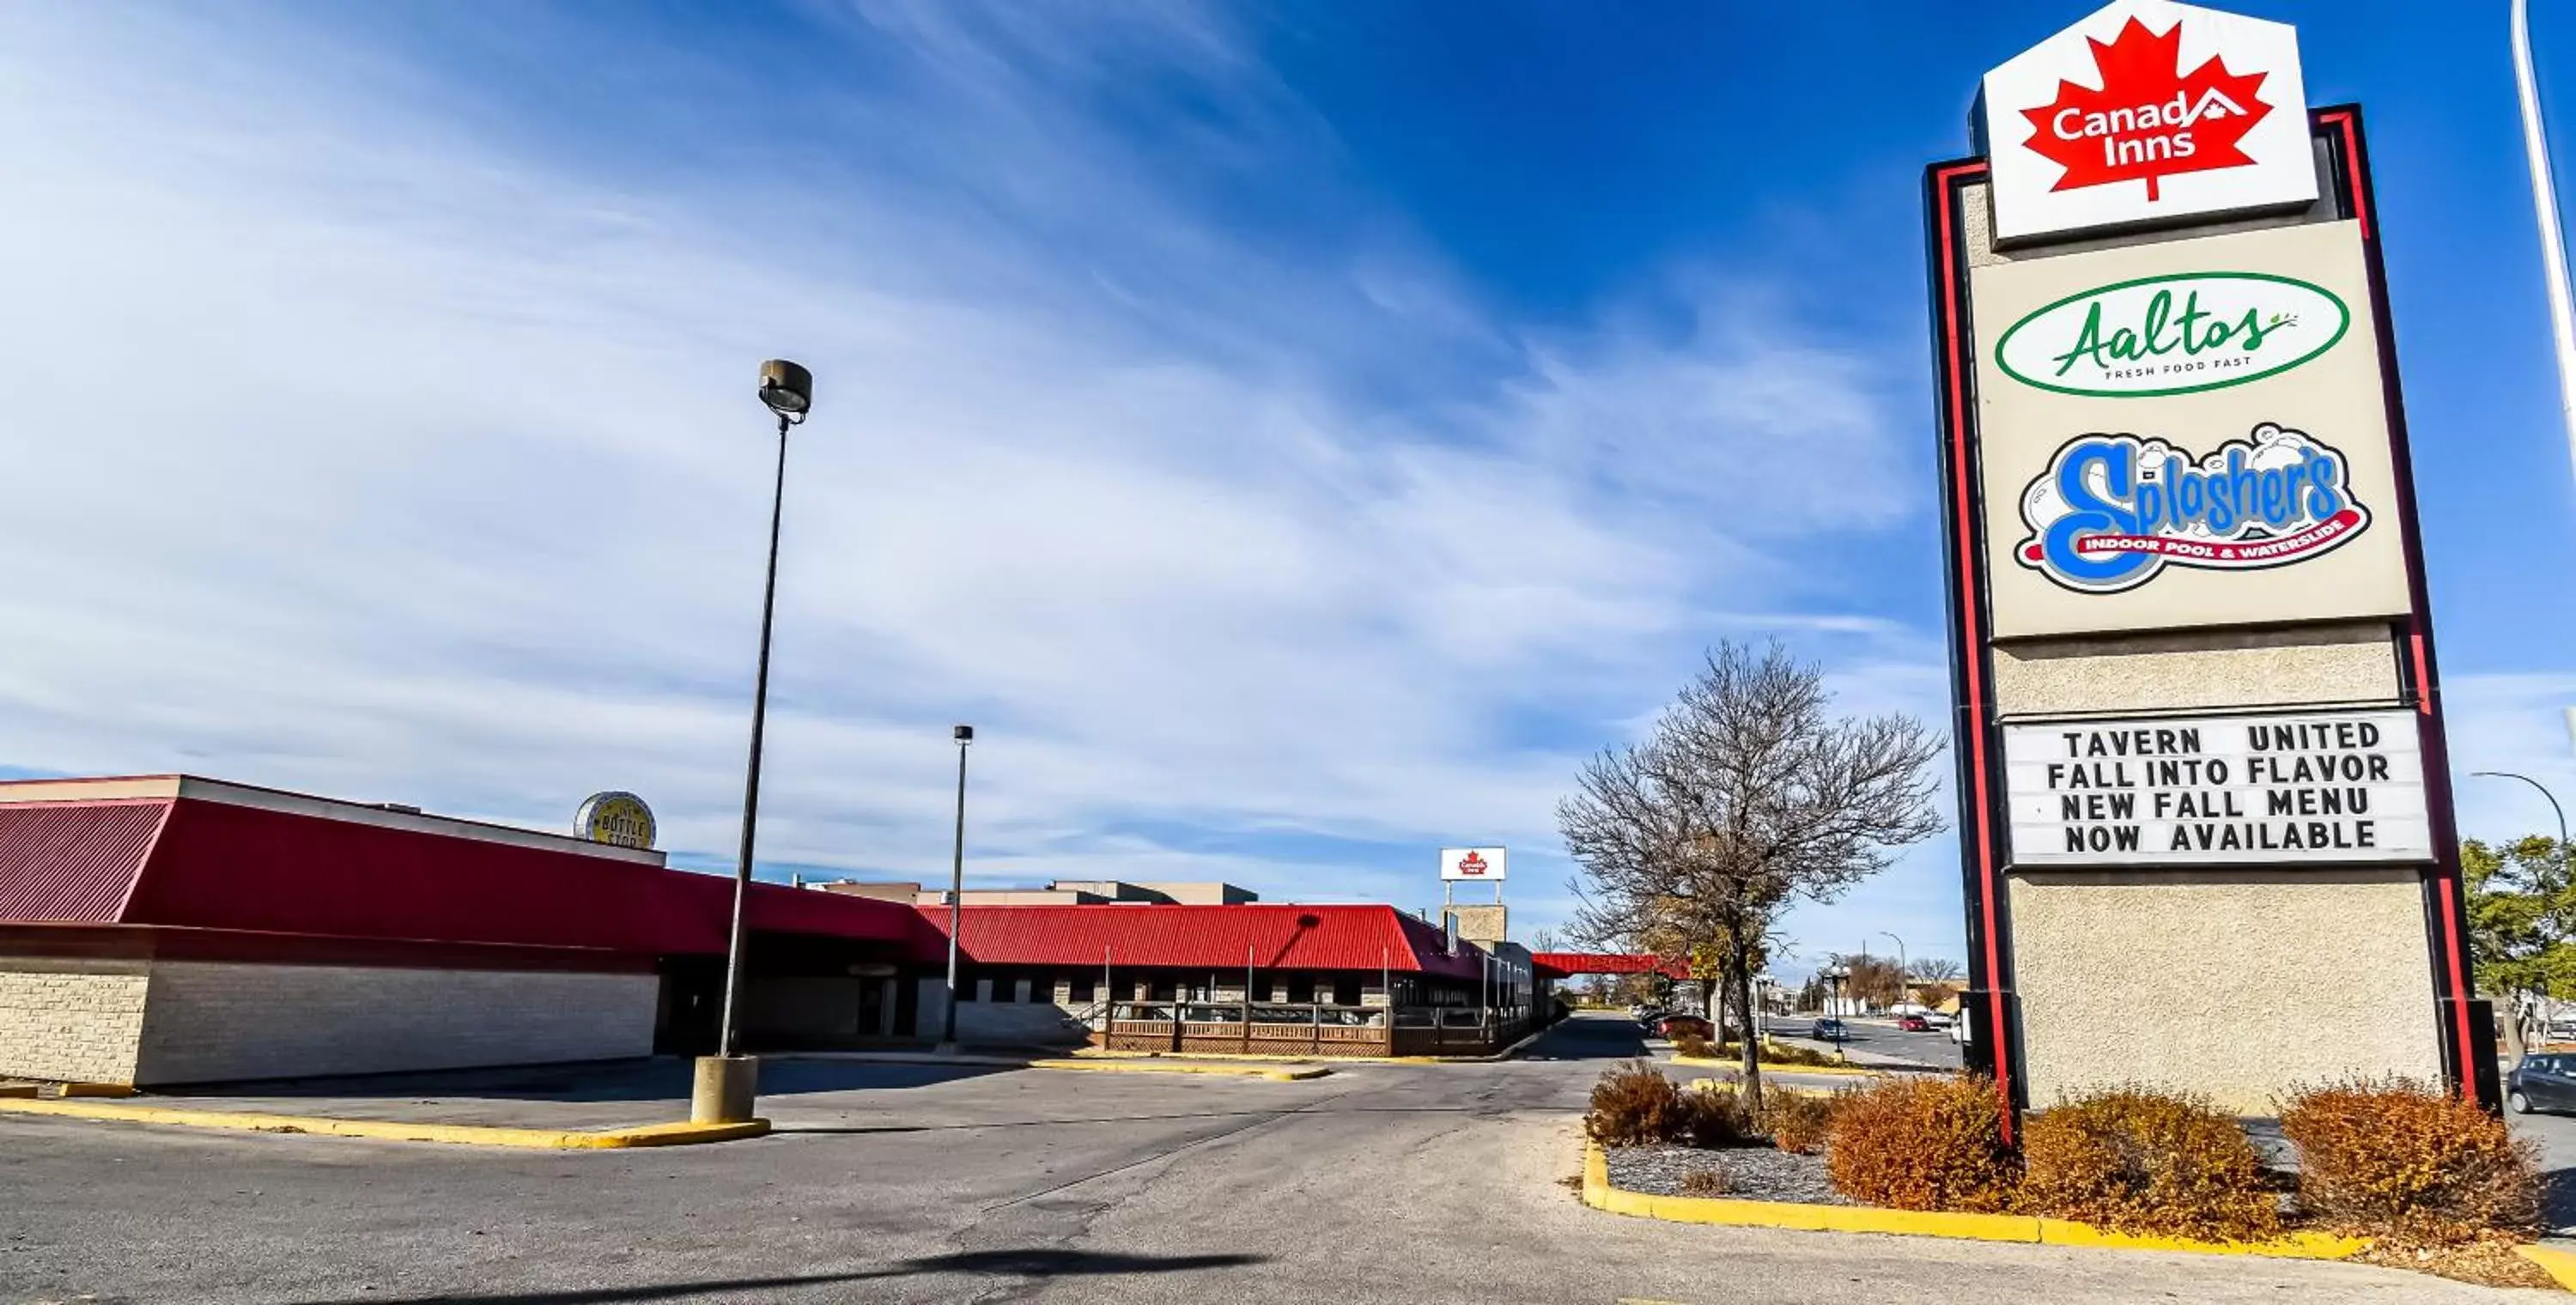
[
  {"x": 70, "y": 1020},
  {"x": 210, "y": 1021}
]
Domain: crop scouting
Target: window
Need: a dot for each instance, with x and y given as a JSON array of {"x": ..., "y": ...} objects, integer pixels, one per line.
[
  {"x": 1083, "y": 991},
  {"x": 1301, "y": 991}
]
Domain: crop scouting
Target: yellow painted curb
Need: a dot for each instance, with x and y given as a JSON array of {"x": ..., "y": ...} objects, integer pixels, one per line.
[
  {"x": 2558, "y": 1264},
  {"x": 71, "y": 1090},
  {"x": 1711, "y": 1062},
  {"x": 1281, "y": 1074},
  {"x": 680, "y": 1134},
  {"x": 2290, "y": 1246},
  {"x": 17, "y": 1091},
  {"x": 1600, "y": 1195}
]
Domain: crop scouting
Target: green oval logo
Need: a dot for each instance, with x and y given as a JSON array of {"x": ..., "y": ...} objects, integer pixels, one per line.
[{"x": 2176, "y": 334}]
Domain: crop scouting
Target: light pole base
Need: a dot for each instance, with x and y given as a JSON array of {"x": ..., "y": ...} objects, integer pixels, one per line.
[{"x": 722, "y": 1089}]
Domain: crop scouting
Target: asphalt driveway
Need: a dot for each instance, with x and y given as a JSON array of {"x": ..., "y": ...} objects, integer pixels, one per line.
[{"x": 1380, "y": 1184}]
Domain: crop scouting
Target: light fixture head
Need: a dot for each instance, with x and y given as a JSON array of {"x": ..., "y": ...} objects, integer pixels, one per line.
[
  {"x": 965, "y": 733},
  {"x": 786, "y": 387}
]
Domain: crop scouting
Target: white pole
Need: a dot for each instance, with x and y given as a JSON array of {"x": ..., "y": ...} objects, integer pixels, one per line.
[{"x": 2544, "y": 204}]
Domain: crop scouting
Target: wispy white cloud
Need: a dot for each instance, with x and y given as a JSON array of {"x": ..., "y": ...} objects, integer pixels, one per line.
[{"x": 359, "y": 448}]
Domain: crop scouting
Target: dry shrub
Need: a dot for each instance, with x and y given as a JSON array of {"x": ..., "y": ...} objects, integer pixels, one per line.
[
  {"x": 1715, "y": 1119},
  {"x": 1779, "y": 1053},
  {"x": 1693, "y": 1045},
  {"x": 2408, "y": 1162},
  {"x": 1632, "y": 1105},
  {"x": 2142, "y": 1161},
  {"x": 1922, "y": 1143},
  {"x": 1706, "y": 1180},
  {"x": 1635, "y": 1105},
  {"x": 1796, "y": 1122}
]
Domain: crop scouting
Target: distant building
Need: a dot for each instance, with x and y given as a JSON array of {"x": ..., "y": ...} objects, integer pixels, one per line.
[{"x": 169, "y": 929}]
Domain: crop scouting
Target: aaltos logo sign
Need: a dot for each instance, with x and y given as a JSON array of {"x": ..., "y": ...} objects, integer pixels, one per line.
[
  {"x": 2149, "y": 120},
  {"x": 2173, "y": 334},
  {"x": 2112, "y": 511},
  {"x": 2147, "y": 111}
]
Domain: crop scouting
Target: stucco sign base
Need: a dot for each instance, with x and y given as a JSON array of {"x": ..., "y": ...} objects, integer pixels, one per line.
[{"x": 2242, "y": 986}]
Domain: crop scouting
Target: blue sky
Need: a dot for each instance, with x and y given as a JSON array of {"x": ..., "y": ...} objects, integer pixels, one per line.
[{"x": 1294, "y": 434}]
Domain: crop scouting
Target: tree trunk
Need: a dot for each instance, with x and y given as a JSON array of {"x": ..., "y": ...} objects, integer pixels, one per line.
[
  {"x": 1740, "y": 973},
  {"x": 2514, "y": 1046}
]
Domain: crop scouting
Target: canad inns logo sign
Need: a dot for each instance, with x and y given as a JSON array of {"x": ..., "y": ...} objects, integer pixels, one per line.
[
  {"x": 2112, "y": 511},
  {"x": 2149, "y": 120},
  {"x": 2147, "y": 111}
]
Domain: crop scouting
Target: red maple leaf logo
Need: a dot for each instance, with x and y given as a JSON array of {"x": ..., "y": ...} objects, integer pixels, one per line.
[{"x": 2148, "y": 121}]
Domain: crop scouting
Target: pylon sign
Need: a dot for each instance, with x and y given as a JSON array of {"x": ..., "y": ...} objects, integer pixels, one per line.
[{"x": 2191, "y": 645}]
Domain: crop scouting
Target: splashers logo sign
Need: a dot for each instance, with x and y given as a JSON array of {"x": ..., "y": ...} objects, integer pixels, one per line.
[{"x": 2112, "y": 511}]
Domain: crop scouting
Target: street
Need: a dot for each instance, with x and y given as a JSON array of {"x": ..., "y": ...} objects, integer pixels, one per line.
[
  {"x": 1865, "y": 1039},
  {"x": 1381, "y": 1183}
]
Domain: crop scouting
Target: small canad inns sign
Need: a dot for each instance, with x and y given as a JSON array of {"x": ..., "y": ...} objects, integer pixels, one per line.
[
  {"x": 2143, "y": 112},
  {"x": 2112, "y": 511},
  {"x": 1471, "y": 863}
]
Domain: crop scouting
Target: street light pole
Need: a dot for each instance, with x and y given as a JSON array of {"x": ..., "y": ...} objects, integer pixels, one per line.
[
  {"x": 723, "y": 1090},
  {"x": 964, "y": 734},
  {"x": 2544, "y": 203},
  {"x": 1904, "y": 995},
  {"x": 2544, "y": 792}
]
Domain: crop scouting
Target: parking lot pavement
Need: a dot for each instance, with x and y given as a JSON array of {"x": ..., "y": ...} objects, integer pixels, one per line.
[
  {"x": 2556, "y": 1135},
  {"x": 1425, "y": 1183}
]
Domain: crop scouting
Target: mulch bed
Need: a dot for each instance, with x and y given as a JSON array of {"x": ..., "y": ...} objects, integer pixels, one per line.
[{"x": 1753, "y": 1173}]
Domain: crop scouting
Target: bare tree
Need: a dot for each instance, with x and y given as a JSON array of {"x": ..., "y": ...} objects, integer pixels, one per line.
[
  {"x": 1746, "y": 794},
  {"x": 1934, "y": 969}
]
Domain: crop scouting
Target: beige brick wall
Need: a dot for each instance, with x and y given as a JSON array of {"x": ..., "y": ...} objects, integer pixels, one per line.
[
  {"x": 209, "y": 1022},
  {"x": 77, "y": 1021}
]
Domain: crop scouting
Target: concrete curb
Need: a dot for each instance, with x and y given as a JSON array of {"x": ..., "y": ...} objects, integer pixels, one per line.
[
  {"x": 682, "y": 1134},
  {"x": 1600, "y": 1195},
  {"x": 2559, "y": 1265},
  {"x": 1711, "y": 1062},
  {"x": 976, "y": 1060},
  {"x": 1281, "y": 1074},
  {"x": 1096, "y": 1062},
  {"x": 1504, "y": 1054}
]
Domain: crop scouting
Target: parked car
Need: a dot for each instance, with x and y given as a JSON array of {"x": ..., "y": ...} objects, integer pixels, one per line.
[
  {"x": 1674, "y": 1026},
  {"x": 2542, "y": 1082},
  {"x": 1828, "y": 1030},
  {"x": 1913, "y": 1024}
]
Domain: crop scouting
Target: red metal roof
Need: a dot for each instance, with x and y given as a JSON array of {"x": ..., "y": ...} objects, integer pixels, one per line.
[
  {"x": 73, "y": 861},
  {"x": 198, "y": 863},
  {"x": 1274, "y": 936},
  {"x": 1559, "y": 965}
]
